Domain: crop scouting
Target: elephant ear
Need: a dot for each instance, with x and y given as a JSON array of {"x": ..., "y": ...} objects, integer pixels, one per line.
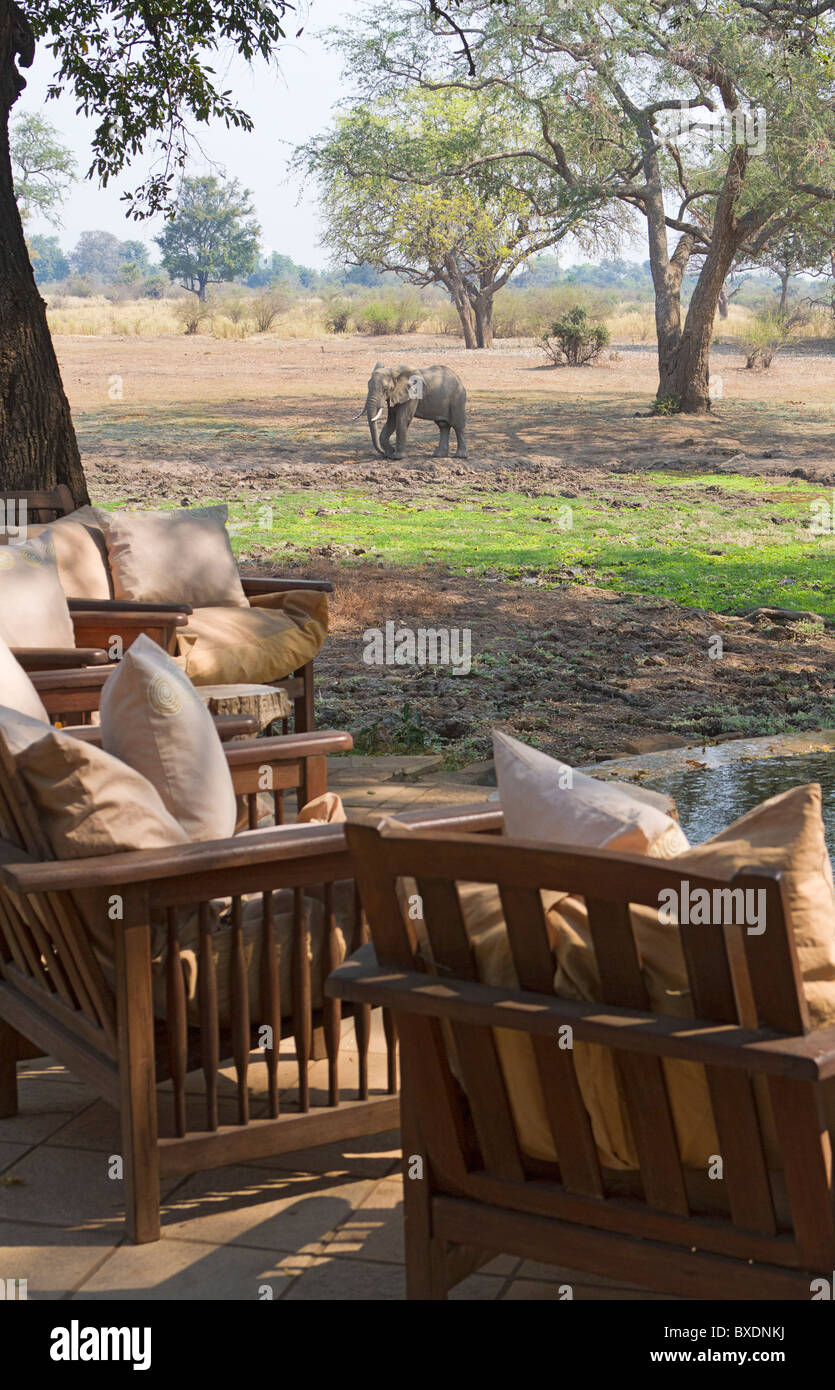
[{"x": 407, "y": 388}]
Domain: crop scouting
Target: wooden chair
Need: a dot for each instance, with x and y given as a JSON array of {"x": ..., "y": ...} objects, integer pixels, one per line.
[
  {"x": 97, "y": 621},
  {"x": 55, "y": 994},
  {"x": 751, "y": 1234}
]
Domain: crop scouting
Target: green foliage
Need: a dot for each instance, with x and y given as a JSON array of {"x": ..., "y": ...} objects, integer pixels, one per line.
[
  {"x": 144, "y": 74},
  {"x": 212, "y": 236},
  {"x": 42, "y": 168},
  {"x": 573, "y": 340},
  {"x": 48, "y": 260},
  {"x": 668, "y": 404},
  {"x": 770, "y": 330}
]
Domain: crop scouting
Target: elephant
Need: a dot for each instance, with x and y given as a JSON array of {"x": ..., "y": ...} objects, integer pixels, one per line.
[{"x": 401, "y": 393}]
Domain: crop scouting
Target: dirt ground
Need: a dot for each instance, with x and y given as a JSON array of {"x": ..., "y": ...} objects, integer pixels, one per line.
[{"x": 581, "y": 671}]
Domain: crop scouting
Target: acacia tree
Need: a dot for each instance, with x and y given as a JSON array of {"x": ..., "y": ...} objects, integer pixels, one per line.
[
  {"x": 613, "y": 82},
  {"x": 212, "y": 235},
  {"x": 141, "y": 69},
  {"x": 375, "y": 169},
  {"x": 43, "y": 169}
]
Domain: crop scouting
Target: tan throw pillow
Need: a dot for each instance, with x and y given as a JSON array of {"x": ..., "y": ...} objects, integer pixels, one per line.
[
  {"x": 80, "y": 553},
  {"x": 153, "y": 719},
  {"x": 546, "y": 801},
  {"x": 231, "y": 646},
  {"x": 16, "y": 690},
  {"x": 88, "y": 802},
  {"x": 177, "y": 556},
  {"x": 33, "y": 606}
]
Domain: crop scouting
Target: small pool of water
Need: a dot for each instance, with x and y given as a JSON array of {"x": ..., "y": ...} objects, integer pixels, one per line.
[{"x": 709, "y": 798}]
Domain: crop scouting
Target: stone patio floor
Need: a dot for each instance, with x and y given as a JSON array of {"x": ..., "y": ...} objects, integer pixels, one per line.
[{"x": 319, "y": 1224}]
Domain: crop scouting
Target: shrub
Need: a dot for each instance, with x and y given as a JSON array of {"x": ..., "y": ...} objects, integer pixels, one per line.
[
  {"x": 191, "y": 313},
  {"x": 770, "y": 331},
  {"x": 338, "y": 316},
  {"x": 390, "y": 313},
  {"x": 573, "y": 340},
  {"x": 155, "y": 286},
  {"x": 267, "y": 307}
]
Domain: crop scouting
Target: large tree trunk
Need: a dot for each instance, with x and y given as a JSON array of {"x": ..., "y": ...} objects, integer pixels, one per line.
[
  {"x": 38, "y": 448},
  {"x": 784, "y": 290},
  {"x": 483, "y": 309},
  {"x": 454, "y": 282}
]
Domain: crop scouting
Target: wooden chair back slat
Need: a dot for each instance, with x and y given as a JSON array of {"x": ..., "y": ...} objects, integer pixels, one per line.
[
  {"x": 644, "y": 1086},
  {"x": 302, "y": 1022},
  {"x": 43, "y": 504},
  {"x": 331, "y": 1007},
  {"x": 732, "y": 1095},
  {"x": 177, "y": 1020},
  {"x": 270, "y": 1000},
  {"x": 476, "y": 1052},
  {"x": 209, "y": 1023},
  {"x": 239, "y": 998},
  {"x": 362, "y": 1016},
  {"x": 567, "y": 1116},
  {"x": 805, "y": 1143}
]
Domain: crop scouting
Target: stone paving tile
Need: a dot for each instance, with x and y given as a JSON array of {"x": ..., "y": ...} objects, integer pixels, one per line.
[
  {"x": 10, "y": 1153},
  {"x": 179, "y": 1269},
  {"x": 97, "y": 1127},
  {"x": 348, "y": 1280},
  {"x": 45, "y": 1103},
  {"x": 66, "y": 1187},
  {"x": 53, "y": 1259},
  {"x": 374, "y": 1230},
  {"x": 271, "y": 1210}
]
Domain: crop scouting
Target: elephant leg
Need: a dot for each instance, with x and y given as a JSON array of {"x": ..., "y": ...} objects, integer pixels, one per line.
[
  {"x": 387, "y": 431},
  {"x": 461, "y": 437},
  {"x": 403, "y": 421},
  {"x": 442, "y": 451}
]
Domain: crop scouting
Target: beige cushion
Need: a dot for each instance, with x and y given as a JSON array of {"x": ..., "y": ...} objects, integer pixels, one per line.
[
  {"x": 81, "y": 554},
  {"x": 16, "y": 690},
  {"x": 546, "y": 801},
  {"x": 33, "y": 606},
  {"x": 153, "y": 719},
  {"x": 177, "y": 556},
  {"x": 189, "y": 941},
  {"x": 226, "y": 646}
]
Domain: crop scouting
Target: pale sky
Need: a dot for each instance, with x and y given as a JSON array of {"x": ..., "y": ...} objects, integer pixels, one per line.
[{"x": 288, "y": 104}]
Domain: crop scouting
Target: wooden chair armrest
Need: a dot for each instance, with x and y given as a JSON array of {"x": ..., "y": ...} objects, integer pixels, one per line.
[
  {"x": 110, "y": 605},
  {"x": 129, "y": 620},
  {"x": 59, "y": 658},
  {"x": 288, "y": 747},
  {"x": 228, "y": 726},
  {"x": 252, "y": 584},
  {"x": 361, "y": 978},
  {"x": 83, "y": 678},
  {"x": 257, "y": 860}
]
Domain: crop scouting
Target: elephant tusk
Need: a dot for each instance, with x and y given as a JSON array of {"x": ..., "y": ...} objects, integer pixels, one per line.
[
  {"x": 357, "y": 416},
  {"x": 380, "y": 413}
]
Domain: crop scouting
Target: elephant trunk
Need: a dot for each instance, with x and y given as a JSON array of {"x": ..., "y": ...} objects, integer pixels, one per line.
[{"x": 376, "y": 411}]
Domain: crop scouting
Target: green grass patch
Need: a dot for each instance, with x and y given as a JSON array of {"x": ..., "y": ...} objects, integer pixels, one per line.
[{"x": 717, "y": 541}]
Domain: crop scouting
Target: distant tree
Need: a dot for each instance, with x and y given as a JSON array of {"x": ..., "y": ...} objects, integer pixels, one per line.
[
  {"x": 42, "y": 168},
  {"x": 96, "y": 254},
  {"x": 212, "y": 236},
  {"x": 48, "y": 260},
  {"x": 383, "y": 206},
  {"x": 365, "y": 275}
]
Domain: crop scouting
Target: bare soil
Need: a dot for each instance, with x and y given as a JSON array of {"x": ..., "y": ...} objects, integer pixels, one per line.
[{"x": 581, "y": 671}]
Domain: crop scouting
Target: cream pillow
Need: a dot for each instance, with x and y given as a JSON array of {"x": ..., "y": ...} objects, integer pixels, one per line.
[
  {"x": 177, "y": 556},
  {"x": 153, "y": 719},
  {"x": 16, "y": 690},
  {"x": 81, "y": 554},
  {"x": 547, "y": 801},
  {"x": 33, "y": 606}
]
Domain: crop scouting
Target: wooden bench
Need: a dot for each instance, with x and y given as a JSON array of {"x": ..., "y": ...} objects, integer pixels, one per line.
[{"x": 751, "y": 1234}]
